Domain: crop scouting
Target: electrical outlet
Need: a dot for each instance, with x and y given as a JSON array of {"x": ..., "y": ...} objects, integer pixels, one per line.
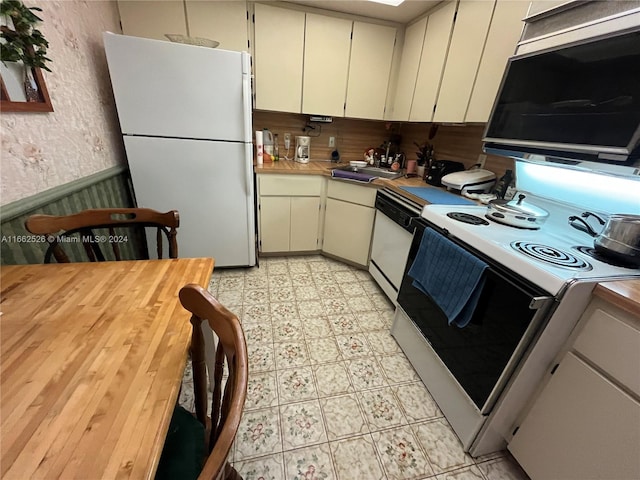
[
  {"x": 481, "y": 159},
  {"x": 287, "y": 140},
  {"x": 332, "y": 142}
]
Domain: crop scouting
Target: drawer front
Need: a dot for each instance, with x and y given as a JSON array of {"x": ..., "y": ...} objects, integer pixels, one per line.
[
  {"x": 611, "y": 340},
  {"x": 352, "y": 193},
  {"x": 290, "y": 185}
]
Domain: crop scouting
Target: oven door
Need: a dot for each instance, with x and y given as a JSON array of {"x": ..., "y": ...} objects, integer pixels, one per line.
[{"x": 482, "y": 355}]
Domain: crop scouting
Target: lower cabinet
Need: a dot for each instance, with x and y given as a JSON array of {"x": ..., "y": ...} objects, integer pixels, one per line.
[
  {"x": 289, "y": 213},
  {"x": 275, "y": 224},
  {"x": 289, "y": 218},
  {"x": 585, "y": 424},
  {"x": 289, "y": 224},
  {"x": 348, "y": 221}
]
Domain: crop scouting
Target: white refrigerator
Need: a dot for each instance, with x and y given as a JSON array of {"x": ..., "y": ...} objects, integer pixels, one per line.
[{"x": 185, "y": 117}]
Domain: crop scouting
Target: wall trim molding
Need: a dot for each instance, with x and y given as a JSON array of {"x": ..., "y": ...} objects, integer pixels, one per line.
[{"x": 25, "y": 205}]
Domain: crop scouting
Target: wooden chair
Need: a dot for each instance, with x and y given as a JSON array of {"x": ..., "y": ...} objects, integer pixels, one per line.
[
  {"x": 79, "y": 228},
  {"x": 227, "y": 401}
]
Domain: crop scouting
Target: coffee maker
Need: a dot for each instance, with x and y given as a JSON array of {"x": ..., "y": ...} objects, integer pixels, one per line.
[{"x": 303, "y": 146}]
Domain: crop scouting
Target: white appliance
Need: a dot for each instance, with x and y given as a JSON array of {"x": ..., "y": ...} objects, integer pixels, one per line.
[
  {"x": 556, "y": 262},
  {"x": 303, "y": 147},
  {"x": 185, "y": 117},
  {"x": 470, "y": 181},
  {"x": 392, "y": 235}
]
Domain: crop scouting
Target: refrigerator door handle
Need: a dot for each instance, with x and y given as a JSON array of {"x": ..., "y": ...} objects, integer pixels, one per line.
[
  {"x": 248, "y": 150},
  {"x": 246, "y": 96},
  {"x": 251, "y": 226}
]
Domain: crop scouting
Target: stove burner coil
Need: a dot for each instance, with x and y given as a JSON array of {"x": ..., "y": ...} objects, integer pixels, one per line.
[
  {"x": 467, "y": 218},
  {"x": 551, "y": 255},
  {"x": 593, "y": 253}
]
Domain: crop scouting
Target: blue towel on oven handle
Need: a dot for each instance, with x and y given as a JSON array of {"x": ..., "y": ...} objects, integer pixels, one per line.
[{"x": 450, "y": 275}]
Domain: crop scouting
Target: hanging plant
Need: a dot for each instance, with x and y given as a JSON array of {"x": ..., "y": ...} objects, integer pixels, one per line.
[{"x": 22, "y": 42}]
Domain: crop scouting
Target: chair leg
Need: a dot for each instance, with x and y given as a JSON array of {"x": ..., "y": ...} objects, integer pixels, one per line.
[{"x": 231, "y": 473}]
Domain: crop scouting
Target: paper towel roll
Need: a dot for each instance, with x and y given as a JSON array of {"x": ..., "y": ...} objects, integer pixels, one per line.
[{"x": 259, "y": 146}]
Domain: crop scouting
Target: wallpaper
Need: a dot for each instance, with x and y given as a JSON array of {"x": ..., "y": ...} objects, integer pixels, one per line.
[{"x": 82, "y": 135}]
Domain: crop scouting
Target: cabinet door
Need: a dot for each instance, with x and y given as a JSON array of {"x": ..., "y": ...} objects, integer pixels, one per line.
[
  {"x": 305, "y": 215},
  {"x": 347, "y": 230},
  {"x": 326, "y": 64},
  {"x": 504, "y": 33},
  {"x": 434, "y": 52},
  {"x": 369, "y": 70},
  {"x": 275, "y": 224},
  {"x": 279, "y": 49},
  {"x": 152, "y": 19},
  {"x": 408, "y": 73},
  {"x": 469, "y": 35},
  {"x": 581, "y": 427},
  {"x": 225, "y": 22}
]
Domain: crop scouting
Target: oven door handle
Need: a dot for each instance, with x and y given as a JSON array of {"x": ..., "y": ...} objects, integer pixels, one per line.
[{"x": 539, "y": 302}]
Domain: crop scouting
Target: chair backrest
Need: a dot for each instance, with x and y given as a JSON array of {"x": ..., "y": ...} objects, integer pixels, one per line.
[
  {"x": 79, "y": 228},
  {"x": 228, "y": 401}
]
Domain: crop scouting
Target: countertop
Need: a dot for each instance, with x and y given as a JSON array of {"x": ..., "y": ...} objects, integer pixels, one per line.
[
  {"x": 325, "y": 167},
  {"x": 624, "y": 293}
]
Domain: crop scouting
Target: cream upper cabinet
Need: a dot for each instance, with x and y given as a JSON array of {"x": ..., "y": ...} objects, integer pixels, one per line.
[
  {"x": 434, "y": 53},
  {"x": 369, "y": 69},
  {"x": 326, "y": 64},
  {"x": 504, "y": 34},
  {"x": 225, "y": 22},
  {"x": 152, "y": 19},
  {"x": 467, "y": 43},
  {"x": 408, "y": 72},
  {"x": 278, "y": 58}
]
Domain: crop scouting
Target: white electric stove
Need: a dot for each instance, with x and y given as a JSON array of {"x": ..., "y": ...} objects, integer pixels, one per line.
[
  {"x": 549, "y": 257},
  {"x": 539, "y": 279}
]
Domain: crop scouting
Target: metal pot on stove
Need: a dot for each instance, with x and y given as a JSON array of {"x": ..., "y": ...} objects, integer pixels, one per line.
[
  {"x": 619, "y": 238},
  {"x": 516, "y": 213}
]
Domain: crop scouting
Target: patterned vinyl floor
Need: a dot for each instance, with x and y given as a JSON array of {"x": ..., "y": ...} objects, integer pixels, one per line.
[{"x": 331, "y": 395}]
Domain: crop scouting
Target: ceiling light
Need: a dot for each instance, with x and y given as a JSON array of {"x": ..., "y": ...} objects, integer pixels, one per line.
[{"x": 393, "y": 3}]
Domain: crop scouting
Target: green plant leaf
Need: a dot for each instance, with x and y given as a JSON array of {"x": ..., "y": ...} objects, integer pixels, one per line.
[{"x": 24, "y": 43}]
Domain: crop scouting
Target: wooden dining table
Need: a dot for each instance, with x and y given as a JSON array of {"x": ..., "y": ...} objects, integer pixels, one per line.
[{"x": 91, "y": 363}]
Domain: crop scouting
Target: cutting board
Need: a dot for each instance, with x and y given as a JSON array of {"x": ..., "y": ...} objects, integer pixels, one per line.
[{"x": 435, "y": 195}]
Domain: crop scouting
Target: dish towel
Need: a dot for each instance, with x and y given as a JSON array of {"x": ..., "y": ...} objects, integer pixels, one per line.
[
  {"x": 358, "y": 177},
  {"x": 450, "y": 275}
]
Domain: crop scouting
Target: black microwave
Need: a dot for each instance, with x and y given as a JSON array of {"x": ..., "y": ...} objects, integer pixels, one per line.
[{"x": 577, "y": 101}]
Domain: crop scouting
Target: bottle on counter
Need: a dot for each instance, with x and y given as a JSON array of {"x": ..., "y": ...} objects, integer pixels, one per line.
[
  {"x": 259, "y": 147},
  {"x": 276, "y": 150},
  {"x": 267, "y": 138}
]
